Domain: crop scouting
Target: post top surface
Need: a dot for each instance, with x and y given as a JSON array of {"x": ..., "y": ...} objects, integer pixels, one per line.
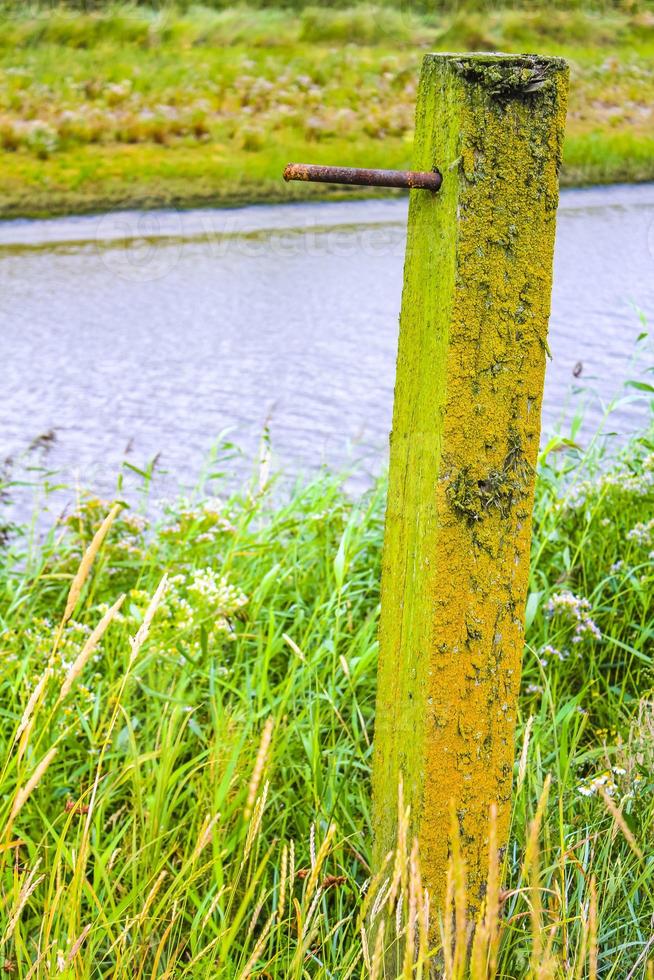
[
  {"x": 503, "y": 76},
  {"x": 500, "y": 58}
]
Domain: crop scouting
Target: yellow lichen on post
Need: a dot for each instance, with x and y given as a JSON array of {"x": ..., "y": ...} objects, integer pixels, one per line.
[{"x": 466, "y": 426}]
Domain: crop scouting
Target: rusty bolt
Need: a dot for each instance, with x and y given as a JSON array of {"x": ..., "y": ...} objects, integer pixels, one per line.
[{"x": 411, "y": 179}]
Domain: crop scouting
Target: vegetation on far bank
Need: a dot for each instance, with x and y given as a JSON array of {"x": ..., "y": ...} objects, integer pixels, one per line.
[
  {"x": 188, "y": 712},
  {"x": 131, "y": 105}
]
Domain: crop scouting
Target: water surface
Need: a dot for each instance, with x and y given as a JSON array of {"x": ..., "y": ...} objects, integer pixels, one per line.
[{"x": 130, "y": 336}]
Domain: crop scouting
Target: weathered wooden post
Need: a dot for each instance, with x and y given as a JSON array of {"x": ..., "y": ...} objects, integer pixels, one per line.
[{"x": 466, "y": 425}]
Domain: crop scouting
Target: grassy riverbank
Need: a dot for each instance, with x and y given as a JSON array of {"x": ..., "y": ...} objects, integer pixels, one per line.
[
  {"x": 194, "y": 801},
  {"x": 135, "y": 106}
]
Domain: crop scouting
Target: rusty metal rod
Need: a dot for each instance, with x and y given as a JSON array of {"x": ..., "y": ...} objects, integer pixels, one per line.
[{"x": 426, "y": 181}]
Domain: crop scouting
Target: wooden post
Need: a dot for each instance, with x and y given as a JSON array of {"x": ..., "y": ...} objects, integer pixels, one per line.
[{"x": 466, "y": 426}]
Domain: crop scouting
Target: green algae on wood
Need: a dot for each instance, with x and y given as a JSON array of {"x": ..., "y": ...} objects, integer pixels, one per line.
[{"x": 466, "y": 426}]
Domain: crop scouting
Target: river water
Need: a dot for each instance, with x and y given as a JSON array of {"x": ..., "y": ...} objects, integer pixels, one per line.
[{"x": 131, "y": 335}]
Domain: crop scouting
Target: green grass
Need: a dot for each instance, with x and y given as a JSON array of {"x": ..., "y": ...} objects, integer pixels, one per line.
[
  {"x": 203, "y": 758},
  {"x": 130, "y": 105}
]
